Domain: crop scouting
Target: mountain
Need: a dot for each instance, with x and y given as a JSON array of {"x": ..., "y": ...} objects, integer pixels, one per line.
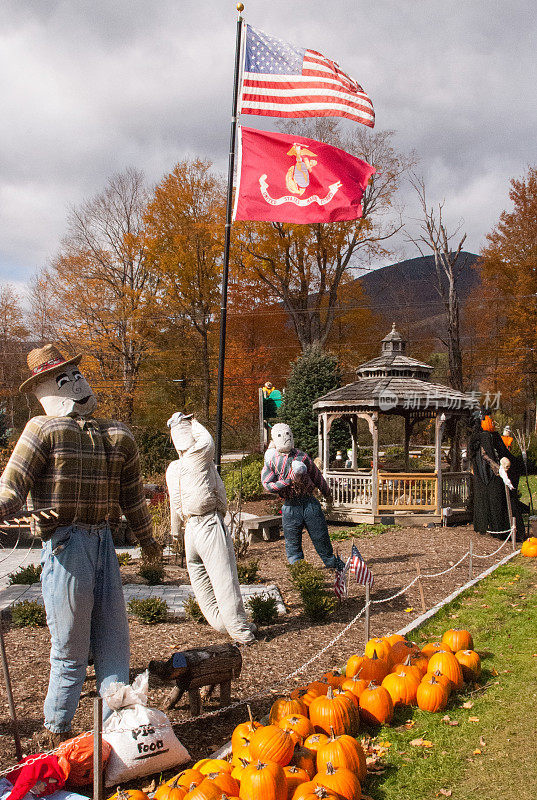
[{"x": 405, "y": 293}]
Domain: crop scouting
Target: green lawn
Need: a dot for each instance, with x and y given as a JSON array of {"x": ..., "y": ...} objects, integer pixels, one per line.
[
  {"x": 489, "y": 754},
  {"x": 523, "y": 486}
]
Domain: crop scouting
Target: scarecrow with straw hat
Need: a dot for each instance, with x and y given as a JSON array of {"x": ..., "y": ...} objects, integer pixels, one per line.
[{"x": 87, "y": 471}]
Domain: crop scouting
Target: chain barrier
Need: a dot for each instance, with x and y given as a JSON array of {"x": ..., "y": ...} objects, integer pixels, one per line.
[{"x": 237, "y": 704}]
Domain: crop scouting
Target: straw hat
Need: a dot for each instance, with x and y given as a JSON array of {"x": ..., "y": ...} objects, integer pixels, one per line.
[{"x": 45, "y": 361}]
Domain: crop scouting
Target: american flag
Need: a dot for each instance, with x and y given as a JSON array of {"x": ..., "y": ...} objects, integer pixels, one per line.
[
  {"x": 340, "y": 584},
  {"x": 358, "y": 567},
  {"x": 280, "y": 80}
]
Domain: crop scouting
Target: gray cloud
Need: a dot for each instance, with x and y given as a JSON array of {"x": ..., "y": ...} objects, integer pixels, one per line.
[{"x": 90, "y": 88}]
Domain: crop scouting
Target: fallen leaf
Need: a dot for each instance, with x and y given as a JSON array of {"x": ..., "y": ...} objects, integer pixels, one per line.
[
  {"x": 482, "y": 742},
  {"x": 477, "y": 752},
  {"x": 408, "y": 610},
  {"x": 444, "y": 793},
  {"x": 494, "y": 672},
  {"x": 473, "y": 719},
  {"x": 468, "y": 704},
  {"x": 385, "y": 744},
  {"x": 411, "y": 722},
  {"x": 421, "y": 743}
]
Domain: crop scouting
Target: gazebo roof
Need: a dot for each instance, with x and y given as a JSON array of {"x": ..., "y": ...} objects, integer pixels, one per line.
[{"x": 393, "y": 382}]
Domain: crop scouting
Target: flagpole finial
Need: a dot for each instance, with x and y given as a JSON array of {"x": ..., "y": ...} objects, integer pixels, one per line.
[{"x": 240, "y": 7}]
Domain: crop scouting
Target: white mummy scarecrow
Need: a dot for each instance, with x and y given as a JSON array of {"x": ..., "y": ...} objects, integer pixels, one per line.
[{"x": 198, "y": 502}]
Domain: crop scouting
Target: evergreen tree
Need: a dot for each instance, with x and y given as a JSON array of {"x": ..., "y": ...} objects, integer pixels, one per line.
[{"x": 312, "y": 375}]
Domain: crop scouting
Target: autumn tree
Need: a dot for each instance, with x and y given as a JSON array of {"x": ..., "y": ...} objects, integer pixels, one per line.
[
  {"x": 185, "y": 227},
  {"x": 506, "y": 321},
  {"x": 105, "y": 296},
  {"x": 13, "y": 333},
  {"x": 305, "y": 266}
]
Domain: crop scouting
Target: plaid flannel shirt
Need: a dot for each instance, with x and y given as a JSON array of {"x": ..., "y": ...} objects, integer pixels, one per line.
[
  {"x": 279, "y": 478},
  {"x": 88, "y": 471}
]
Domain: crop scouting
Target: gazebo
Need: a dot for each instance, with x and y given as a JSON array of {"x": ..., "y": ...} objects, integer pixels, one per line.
[{"x": 393, "y": 385}]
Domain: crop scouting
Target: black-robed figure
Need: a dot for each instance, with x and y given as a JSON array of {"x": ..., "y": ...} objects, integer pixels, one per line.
[{"x": 486, "y": 448}]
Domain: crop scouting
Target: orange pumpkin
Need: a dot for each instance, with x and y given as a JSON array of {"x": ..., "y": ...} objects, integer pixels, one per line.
[
  {"x": 206, "y": 790},
  {"x": 378, "y": 647},
  {"x": 207, "y": 765},
  {"x": 373, "y": 669},
  {"x": 305, "y": 759},
  {"x": 431, "y": 695},
  {"x": 242, "y": 732},
  {"x": 470, "y": 664},
  {"x": 392, "y": 638},
  {"x": 401, "y": 688},
  {"x": 188, "y": 777},
  {"x": 241, "y": 754},
  {"x": 343, "y": 751},
  {"x": 447, "y": 664},
  {"x": 376, "y": 706},
  {"x": 440, "y": 678},
  {"x": 342, "y": 692},
  {"x": 271, "y": 743},
  {"x": 337, "y": 712},
  {"x": 341, "y": 781},
  {"x": 313, "y": 791},
  {"x": 458, "y": 639},
  {"x": 294, "y": 776},
  {"x": 313, "y": 690},
  {"x": 263, "y": 780},
  {"x": 298, "y": 726},
  {"x": 239, "y": 769},
  {"x": 431, "y": 648},
  {"x": 225, "y": 781},
  {"x": 284, "y": 706},
  {"x": 408, "y": 669},
  {"x": 170, "y": 791},
  {"x": 400, "y": 651},
  {"x": 529, "y": 547},
  {"x": 355, "y": 685},
  {"x": 315, "y": 741},
  {"x": 333, "y": 677},
  {"x": 353, "y": 665}
]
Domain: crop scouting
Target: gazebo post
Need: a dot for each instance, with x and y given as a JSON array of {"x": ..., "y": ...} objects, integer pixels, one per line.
[
  {"x": 438, "y": 430},
  {"x": 375, "y": 470},
  {"x": 326, "y": 444},
  {"x": 408, "y": 431},
  {"x": 320, "y": 436},
  {"x": 354, "y": 435}
]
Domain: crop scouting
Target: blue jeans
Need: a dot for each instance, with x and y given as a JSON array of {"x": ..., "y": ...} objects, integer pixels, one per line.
[
  {"x": 85, "y": 613},
  {"x": 306, "y": 513}
]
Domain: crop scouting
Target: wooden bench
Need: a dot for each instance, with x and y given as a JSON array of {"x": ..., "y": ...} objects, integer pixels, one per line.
[
  {"x": 192, "y": 669},
  {"x": 266, "y": 527}
]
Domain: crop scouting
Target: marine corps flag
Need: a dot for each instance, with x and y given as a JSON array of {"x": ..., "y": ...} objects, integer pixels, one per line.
[{"x": 286, "y": 178}]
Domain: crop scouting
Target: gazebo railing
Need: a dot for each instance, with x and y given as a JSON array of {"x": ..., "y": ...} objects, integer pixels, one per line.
[
  {"x": 352, "y": 490},
  {"x": 409, "y": 491},
  {"x": 456, "y": 489}
]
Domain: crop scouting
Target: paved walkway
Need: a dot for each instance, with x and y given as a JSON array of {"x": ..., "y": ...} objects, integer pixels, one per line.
[{"x": 174, "y": 596}]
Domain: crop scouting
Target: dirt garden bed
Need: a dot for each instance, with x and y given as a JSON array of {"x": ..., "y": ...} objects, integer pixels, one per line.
[{"x": 392, "y": 556}]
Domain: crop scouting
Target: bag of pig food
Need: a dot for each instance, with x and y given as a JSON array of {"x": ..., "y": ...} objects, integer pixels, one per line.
[{"x": 142, "y": 738}]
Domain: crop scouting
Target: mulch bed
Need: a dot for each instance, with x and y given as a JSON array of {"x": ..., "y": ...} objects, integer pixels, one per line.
[{"x": 288, "y": 643}]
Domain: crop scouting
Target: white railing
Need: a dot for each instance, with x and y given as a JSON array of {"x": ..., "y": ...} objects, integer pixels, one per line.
[
  {"x": 350, "y": 490},
  {"x": 456, "y": 489},
  {"x": 404, "y": 490}
]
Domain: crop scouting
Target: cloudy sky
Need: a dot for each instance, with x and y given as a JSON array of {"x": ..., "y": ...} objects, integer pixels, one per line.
[{"x": 90, "y": 88}]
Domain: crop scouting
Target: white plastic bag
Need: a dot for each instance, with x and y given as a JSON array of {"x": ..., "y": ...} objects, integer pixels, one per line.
[{"x": 142, "y": 738}]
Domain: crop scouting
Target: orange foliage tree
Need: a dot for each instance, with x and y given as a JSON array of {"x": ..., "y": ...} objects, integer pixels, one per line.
[
  {"x": 505, "y": 313},
  {"x": 13, "y": 333}
]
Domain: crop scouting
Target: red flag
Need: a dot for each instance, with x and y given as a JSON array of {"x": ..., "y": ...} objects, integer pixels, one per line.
[{"x": 286, "y": 178}]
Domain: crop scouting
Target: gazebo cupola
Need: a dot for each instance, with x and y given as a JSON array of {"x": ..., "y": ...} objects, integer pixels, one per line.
[{"x": 393, "y": 363}]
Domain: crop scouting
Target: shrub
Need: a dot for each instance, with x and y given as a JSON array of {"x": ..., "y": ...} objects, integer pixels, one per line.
[
  {"x": 308, "y": 580},
  {"x": 124, "y": 559},
  {"x": 193, "y": 611},
  {"x": 247, "y": 572},
  {"x": 263, "y": 608},
  {"x": 29, "y": 574},
  {"x": 152, "y": 573},
  {"x": 244, "y": 479},
  {"x": 28, "y": 614},
  {"x": 150, "y": 611}
]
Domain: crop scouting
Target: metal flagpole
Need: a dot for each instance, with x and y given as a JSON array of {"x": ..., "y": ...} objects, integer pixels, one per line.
[{"x": 227, "y": 241}]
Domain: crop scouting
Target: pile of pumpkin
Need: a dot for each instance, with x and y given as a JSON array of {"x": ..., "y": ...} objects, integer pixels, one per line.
[
  {"x": 529, "y": 547},
  {"x": 308, "y": 751}
]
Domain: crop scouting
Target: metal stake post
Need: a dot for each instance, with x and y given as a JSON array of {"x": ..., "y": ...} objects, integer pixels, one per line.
[
  {"x": 471, "y": 560},
  {"x": 11, "y": 704},
  {"x": 420, "y": 587},
  {"x": 367, "y": 610},
  {"x": 98, "y": 748}
]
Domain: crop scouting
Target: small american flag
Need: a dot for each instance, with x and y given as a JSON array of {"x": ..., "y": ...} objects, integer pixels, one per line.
[
  {"x": 358, "y": 567},
  {"x": 280, "y": 80},
  {"x": 340, "y": 584}
]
